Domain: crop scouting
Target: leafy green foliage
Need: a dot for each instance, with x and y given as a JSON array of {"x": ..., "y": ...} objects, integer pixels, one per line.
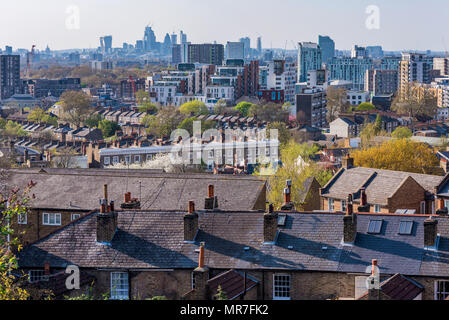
[
  {"x": 94, "y": 120},
  {"x": 221, "y": 295},
  {"x": 243, "y": 108},
  {"x": 365, "y": 106},
  {"x": 187, "y": 124},
  {"x": 194, "y": 107},
  {"x": 401, "y": 133},
  {"x": 108, "y": 128}
]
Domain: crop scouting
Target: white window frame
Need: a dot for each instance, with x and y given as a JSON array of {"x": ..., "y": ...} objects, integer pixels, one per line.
[
  {"x": 22, "y": 218},
  {"x": 137, "y": 159},
  {"x": 35, "y": 275},
  {"x": 119, "y": 293},
  {"x": 75, "y": 216},
  {"x": 344, "y": 205},
  {"x": 377, "y": 208},
  {"x": 275, "y": 287},
  {"x": 48, "y": 215},
  {"x": 330, "y": 205},
  {"x": 107, "y": 161},
  {"x": 115, "y": 159}
]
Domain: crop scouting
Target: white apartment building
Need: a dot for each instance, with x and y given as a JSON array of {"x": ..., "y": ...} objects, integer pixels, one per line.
[
  {"x": 356, "y": 97},
  {"x": 282, "y": 75}
]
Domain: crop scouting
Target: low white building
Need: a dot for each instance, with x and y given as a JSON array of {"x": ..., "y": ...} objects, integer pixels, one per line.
[{"x": 357, "y": 97}]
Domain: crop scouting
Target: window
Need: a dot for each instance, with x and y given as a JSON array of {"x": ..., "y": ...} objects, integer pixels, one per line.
[
  {"x": 22, "y": 218},
  {"x": 136, "y": 158},
  {"x": 127, "y": 159},
  {"x": 75, "y": 216},
  {"x": 405, "y": 227},
  {"x": 375, "y": 226},
  {"x": 281, "y": 287},
  {"x": 377, "y": 209},
  {"x": 52, "y": 219},
  {"x": 343, "y": 205},
  {"x": 119, "y": 286},
  {"x": 35, "y": 275},
  {"x": 331, "y": 205},
  {"x": 423, "y": 207},
  {"x": 193, "y": 280},
  {"x": 107, "y": 161},
  {"x": 441, "y": 290}
]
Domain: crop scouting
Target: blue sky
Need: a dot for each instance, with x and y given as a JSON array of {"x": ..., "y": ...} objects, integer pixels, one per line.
[{"x": 404, "y": 24}]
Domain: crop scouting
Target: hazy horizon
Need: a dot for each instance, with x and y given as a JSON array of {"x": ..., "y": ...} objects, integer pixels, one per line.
[{"x": 404, "y": 24}]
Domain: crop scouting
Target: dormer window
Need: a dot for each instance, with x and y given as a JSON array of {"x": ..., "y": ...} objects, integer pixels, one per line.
[
  {"x": 375, "y": 226},
  {"x": 405, "y": 228}
]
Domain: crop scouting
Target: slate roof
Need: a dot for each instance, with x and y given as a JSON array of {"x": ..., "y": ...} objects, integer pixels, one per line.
[
  {"x": 234, "y": 240},
  {"x": 232, "y": 283},
  {"x": 82, "y": 189},
  {"x": 380, "y": 184},
  {"x": 399, "y": 287}
]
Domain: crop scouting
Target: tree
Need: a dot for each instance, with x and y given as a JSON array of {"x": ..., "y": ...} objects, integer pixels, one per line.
[
  {"x": 194, "y": 107},
  {"x": 337, "y": 102},
  {"x": 293, "y": 170},
  {"x": 221, "y": 295},
  {"x": 269, "y": 112},
  {"x": 243, "y": 108},
  {"x": 142, "y": 97},
  {"x": 163, "y": 124},
  {"x": 399, "y": 155},
  {"x": 13, "y": 204},
  {"x": 365, "y": 106},
  {"x": 187, "y": 124},
  {"x": 40, "y": 116},
  {"x": 402, "y": 133},
  {"x": 369, "y": 131},
  {"x": 378, "y": 124},
  {"x": 76, "y": 107},
  {"x": 14, "y": 129},
  {"x": 220, "y": 107},
  {"x": 108, "y": 128},
  {"x": 148, "y": 108},
  {"x": 283, "y": 132},
  {"x": 414, "y": 100},
  {"x": 94, "y": 120}
]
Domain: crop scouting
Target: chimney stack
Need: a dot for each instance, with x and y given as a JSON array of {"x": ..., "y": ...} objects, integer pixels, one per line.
[
  {"x": 270, "y": 225},
  {"x": 430, "y": 232},
  {"x": 211, "y": 201},
  {"x": 190, "y": 223},
  {"x": 201, "y": 275},
  {"x": 106, "y": 222},
  {"x": 347, "y": 162},
  {"x": 364, "y": 207},
  {"x": 47, "y": 268},
  {"x": 374, "y": 283},
  {"x": 130, "y": 203},
  {"x": 349, "y": 223},
  {"x": 288, "y": 204}
]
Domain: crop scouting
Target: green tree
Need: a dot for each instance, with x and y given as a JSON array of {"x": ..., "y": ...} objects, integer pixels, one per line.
[
  {"x": 194, "y": 107},
  {"x": 2, "y": 123},
  {"x": 402, "y": 133},
  {"x": 379, "y": 123},
  {"x": 220, "y": 107},
  {"x": 76, "y": 107},
  {"x": 283, "y": 133},
  {"x": 94, "y": 120},
  {"x": 243, "y": 108},
  {"x": 164, "y": 123},
  {"x": 14, "y": 129},
  {"x": 221, "y": 295},
  {"x": 292, "y": 169},
  {"x": 187, "y": 124},
  {"x": 108, "y": 128},
  {"x": 269, "y": 112}
]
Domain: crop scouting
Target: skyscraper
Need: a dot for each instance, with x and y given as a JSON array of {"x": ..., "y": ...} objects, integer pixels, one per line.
[
  {"x": 247, "y": 43},
  {"x": 182, "y": 37},
  {"x": 166, "y": 46},
  {"x": 309, "y": 58},
  {"x": 235, "y": 50},
  {"x": 8, "y": 50},
  {"x": 9, "y": 76},
  {"x": 327, "y": 46},
  {"x": 149, "y": 40},
  {"x": 174, "y": 39},
  {"x": 414, "y": 67},
  {"x": 259, "y": 45},
  {"x": 106, "y": 44}
]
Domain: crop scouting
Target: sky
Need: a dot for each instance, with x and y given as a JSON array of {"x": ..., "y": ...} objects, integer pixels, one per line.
[{"x": 69, "y": 24}]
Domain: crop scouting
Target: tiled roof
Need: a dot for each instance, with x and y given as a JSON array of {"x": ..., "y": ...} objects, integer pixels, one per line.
[
  {"x": 82, "y": 189},
  {"x": 234, "y": 240},
  {"x": 380, "y": 184},
  {"x": 399, "y": 287}
]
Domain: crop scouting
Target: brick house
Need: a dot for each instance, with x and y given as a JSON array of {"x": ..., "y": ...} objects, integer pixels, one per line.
[
  {"x": 139, "y": 254},
  {"x": 386, "y": 191},
  {"x": 64, "y": 195}
]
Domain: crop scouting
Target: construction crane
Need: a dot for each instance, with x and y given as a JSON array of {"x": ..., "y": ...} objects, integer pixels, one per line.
[{"x": 30, "y": 56}]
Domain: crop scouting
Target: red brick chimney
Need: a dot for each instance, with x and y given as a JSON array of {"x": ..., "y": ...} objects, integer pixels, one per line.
[
  {"x": 106, "y": 221},
  {"x": 430, "y": 232},
  {"x": 349, "y": 223},
  {"x": 288, "y": 204},
  {"x": 364, "y": 207},
  {"x": 211, "y": 202},
  {"x": 201, "y": 275},
  {"x": 270, "y": 225}
]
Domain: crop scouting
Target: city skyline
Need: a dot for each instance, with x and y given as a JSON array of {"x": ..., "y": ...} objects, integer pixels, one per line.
[{"x": 344, "y": 21}]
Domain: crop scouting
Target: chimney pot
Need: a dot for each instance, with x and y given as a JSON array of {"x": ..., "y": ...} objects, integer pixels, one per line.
[
  {"x": 374, "y": 267},
  {"x": 201, "y": 257},
  {"x": 270, "y": 225},
  {"x": 191, "y": 207}
]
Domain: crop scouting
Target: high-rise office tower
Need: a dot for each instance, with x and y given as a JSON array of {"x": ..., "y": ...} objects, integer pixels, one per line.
[
  {"x": 182, "y": 37},
  {"x": 247, "y": 43},
  {"x": 327, "y": 46},
  {"x": 149, "y": 40},
  {"x": 259, "y": 45},
  {"x": 9, "y": 76},
  {"x": 235, "y": 50},
  {"x": 8, "y": 50},
  {"x": 166, "y": 46},
  {"x": 358, "y": 52},
  {"x": 174, "y": 39},
  {"x": 309, "y": 58},
  {"x": 106, "y": 44}
]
